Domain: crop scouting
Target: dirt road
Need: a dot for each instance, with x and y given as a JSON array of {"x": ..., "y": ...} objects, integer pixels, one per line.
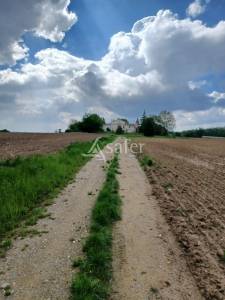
[
  {"x": 39, "y": 268},
  {"x": 147, "y": 262}
]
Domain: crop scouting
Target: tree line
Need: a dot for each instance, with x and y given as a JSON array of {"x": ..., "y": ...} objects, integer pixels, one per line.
[
  {"x": 150, "y": 125},
  {"x": 200, "y": 132}
]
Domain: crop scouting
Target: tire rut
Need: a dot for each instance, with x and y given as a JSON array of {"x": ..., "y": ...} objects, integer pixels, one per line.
[{"x": 147, "y": 262}]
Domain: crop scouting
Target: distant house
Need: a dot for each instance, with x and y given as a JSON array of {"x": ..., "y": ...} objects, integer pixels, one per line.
[{"x": 124, "y": 124}]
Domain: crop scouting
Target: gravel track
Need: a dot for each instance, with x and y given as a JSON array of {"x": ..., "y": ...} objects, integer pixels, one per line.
[{"x": 147, "y": 261}]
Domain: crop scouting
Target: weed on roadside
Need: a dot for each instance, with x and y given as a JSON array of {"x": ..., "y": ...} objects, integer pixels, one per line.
[
  {"x": 36, "y": 214},
  {"x": 4, "y": 246},
  {"x": 23, "y": 232},
  {"x": 146, "y": 161},
  {"x": 168, "y": 187}
]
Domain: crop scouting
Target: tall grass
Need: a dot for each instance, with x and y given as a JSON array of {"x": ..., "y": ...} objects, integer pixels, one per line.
[
  {"x": 26, "y": 182},
  {"x": 93, "y": 280}
]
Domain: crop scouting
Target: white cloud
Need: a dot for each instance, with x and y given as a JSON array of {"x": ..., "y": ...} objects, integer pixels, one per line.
[
  {"x": 160, "y": 64},
  {"x": 55, "y": 20},
  {"x": 176, "y": 49},
  {"x": 196, "y": 84},
  {"x": 217, "y": 96},
  {"x": 104, "y": 112},
  {"x": 213, "y": 117},
  {"x": 67, "y": 117},
  {"x": 197, "y": 8},
  {"x": 49, "y": 19}
]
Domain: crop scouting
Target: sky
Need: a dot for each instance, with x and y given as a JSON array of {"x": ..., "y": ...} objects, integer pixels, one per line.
[{"x": 60, "y": 59}]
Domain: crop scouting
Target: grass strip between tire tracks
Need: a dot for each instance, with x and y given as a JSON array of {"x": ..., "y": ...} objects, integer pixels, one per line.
[
  {"x": 93, "y": 280},
  {"x": 26, "y": 183}
]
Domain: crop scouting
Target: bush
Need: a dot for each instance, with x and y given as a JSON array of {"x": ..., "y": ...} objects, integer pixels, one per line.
[{"x": 146, "y": 161}]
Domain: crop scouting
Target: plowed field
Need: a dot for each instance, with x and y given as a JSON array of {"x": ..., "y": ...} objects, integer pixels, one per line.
[
  {"x": 188, "y": 178},
  {"x": 15, "y": 144}
]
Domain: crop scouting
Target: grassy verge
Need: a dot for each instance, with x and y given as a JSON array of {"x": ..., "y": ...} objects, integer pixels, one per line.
[
  {"x": 93, "y": 280},
  {"x": 27, "y": 183}
]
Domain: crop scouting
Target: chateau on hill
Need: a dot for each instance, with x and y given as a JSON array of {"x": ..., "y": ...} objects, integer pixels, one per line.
[{"x": 124, "y": 124}]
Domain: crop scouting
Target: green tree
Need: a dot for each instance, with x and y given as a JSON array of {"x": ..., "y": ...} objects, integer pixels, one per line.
[
  {"x": 74, "y": 127},
  {"x": 90, "y": 123},
  {"x": 167, "y": 120},
  {"x": 151, "y": 128},
  {"x": 142, "y": 119},
  {"x": 119, "y": 130},
  {"x": 143, "y": 116}
]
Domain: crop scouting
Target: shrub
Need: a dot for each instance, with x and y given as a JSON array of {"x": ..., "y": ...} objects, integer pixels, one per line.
[{"x": 146, "y": 161}]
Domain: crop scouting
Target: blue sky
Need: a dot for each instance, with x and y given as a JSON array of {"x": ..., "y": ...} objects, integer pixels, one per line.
[
  {"x": 101, "y": 19},
  {"x": 62, "y": 58}
]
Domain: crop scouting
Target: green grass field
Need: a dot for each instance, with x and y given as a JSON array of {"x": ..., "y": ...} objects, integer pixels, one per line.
[
  {"x": 27, "y": 183},
  {"x": 93, "y": 280}
]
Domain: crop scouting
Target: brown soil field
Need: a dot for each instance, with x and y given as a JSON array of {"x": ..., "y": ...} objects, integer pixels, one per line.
[
  {"x": 22, "y": 144},
  {"x": 188, "y": 179}
]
